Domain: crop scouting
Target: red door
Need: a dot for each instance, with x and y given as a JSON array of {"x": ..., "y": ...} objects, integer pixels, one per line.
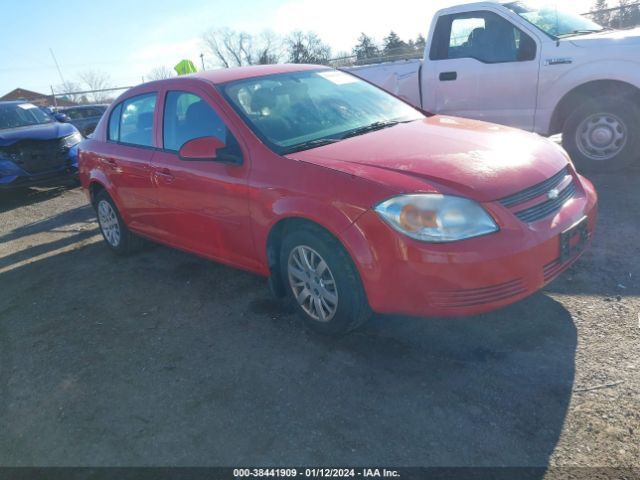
[
  {"x": 127, "y": 159},
  {"x": 202, "y": 205}
]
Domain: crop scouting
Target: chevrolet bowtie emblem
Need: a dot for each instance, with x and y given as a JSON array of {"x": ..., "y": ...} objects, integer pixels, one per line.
[{"x": 553, "y": 194}]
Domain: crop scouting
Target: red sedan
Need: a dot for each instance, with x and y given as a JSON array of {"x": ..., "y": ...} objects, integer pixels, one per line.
[{"x": 348, "y": 199}]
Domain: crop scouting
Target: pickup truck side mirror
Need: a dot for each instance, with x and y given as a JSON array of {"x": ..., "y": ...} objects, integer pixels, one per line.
[{"x": 201, "y": 149}]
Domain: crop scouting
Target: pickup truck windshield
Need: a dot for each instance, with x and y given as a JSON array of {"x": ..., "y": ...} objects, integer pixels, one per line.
[
  {"x": 554, "y": 22},
  {"x": 15, "y": 115},
  {"x": 298, "y": 111}
]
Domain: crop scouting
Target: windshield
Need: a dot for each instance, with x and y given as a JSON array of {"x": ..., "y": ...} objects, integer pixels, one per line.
[
  {"x": 297, "y": 111},
  {"x": 552, "y": 21},
  {"x": 14, "y": 115}
]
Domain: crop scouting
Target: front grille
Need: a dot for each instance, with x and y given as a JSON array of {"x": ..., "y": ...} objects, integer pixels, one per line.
[
  {"x": 536, "y": 190},
  {"x": 476, "y": 296},
  {"x": 38, "y": 156},
  {"x": 545, "y": 209}
]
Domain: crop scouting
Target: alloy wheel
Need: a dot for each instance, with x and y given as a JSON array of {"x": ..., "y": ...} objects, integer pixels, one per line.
[
  {"x": 312, "y": 283},
  {"x": 109, "y": 224}
]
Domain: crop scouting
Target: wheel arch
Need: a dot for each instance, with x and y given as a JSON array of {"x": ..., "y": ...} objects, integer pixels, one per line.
[
  {"x": 589, "y": 91},
  {"x": 277, "y": 233}
]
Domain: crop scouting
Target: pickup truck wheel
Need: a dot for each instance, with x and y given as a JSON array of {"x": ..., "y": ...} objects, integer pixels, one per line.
[
  {"x": 114, "y": 231},
  {"x": 322, "y": 282},
  {"x": 602, "y": 135}
]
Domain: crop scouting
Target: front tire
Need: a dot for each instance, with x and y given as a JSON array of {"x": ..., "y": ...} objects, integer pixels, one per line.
[
  {"x": 114, "y": 231},
  {"x": 322, "y": 282},
  {"x": 602, "y": 135}
]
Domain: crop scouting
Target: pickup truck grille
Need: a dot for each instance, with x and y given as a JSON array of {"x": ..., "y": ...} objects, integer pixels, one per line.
[
  {"x": 38, "y": 156},
  {"x": 546, "y": 207}
]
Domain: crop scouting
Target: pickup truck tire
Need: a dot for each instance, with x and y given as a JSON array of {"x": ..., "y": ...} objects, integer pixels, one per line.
[
  {"x": 602, "y": 135},
  {"x": 114, "y": 231},
  {"x": 322, "y": 282}
]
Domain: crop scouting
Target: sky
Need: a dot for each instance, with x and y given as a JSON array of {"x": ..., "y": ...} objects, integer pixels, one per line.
[{"x": 126, "y": 39}]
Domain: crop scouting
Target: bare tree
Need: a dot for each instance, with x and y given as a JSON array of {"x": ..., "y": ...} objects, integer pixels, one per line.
[
  {"x": 96, "y": 80},
  {"x": 68, "y": 88},
  {"x": 160, "y": 73},
  {"x": 236, "y": 49},
  {"x": 307, "y": 48},
  {"x": 268, "y": 48}
]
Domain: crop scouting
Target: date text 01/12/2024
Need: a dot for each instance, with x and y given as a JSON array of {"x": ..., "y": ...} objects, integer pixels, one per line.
[{"x": 315, "y": 473}]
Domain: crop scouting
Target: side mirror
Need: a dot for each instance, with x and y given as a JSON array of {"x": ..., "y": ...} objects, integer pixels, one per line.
[
  {"x": 201, "y": 149},
  {"x": 61, "y": 117}
]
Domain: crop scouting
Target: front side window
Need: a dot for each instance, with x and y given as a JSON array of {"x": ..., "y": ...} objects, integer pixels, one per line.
[
  {"x": 297, "y": 111},
  {"x": 15, "y": 115},
  {"x": 187, "y": 117},
  {"x": 553, "y": 21},
  {"x": 484, "y": 36},
  {"x": 136, "y": 120}
]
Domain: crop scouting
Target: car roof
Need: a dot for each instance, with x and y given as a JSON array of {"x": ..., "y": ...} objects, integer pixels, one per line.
[
  {"x": 14, "y": 102},
  {"x": 224, "y": 75},
  {"x": 79, "y": 107}
]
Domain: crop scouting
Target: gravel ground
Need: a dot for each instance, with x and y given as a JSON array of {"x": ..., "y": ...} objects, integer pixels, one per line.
[{"x": 166, "y": 359}]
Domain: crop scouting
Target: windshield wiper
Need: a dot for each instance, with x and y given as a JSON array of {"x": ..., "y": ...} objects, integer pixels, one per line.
[
  {"x": 582, "y": 32},
  {"x": 370, "y": 128},
  {"x": 310, "y": 144}
]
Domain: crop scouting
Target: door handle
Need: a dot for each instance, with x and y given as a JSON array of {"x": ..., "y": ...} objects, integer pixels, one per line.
[
  {"x": 448, "y": 76},
  {"x": 164, "y": 175}
]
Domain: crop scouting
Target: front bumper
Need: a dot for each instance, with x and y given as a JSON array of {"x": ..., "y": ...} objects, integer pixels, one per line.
[
  {"x": 403, "y": 276},
  {"x": 13, "y": 176}
]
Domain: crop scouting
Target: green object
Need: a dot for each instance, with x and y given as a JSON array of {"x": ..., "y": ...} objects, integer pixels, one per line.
[{"x": 185, "y": 67}]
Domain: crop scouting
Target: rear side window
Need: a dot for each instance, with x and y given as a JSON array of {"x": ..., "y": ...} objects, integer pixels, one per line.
[
  {"x": 74, "y": 114},
  {"x": 131, "y": 122},
  {"x": 114, "y": 124}
]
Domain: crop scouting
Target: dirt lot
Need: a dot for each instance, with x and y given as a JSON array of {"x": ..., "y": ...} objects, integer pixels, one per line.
[{"x": 166, "y": 359}]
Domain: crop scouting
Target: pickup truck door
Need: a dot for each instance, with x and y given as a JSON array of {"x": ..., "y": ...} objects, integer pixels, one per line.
[{"x": 482, "y": 66}]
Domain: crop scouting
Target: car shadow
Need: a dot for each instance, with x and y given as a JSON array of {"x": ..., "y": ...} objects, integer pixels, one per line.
[
  {"x": 58, "y": 222},
  {"x": 166, "y": 359},
  {"x": 608, "y": 269},
  {"x": 12, "y": 199}
]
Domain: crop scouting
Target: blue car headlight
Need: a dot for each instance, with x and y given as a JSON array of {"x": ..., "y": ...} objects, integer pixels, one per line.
[
  {"x": 71, "y": 140},
  {"x": 8, "y": 168}
]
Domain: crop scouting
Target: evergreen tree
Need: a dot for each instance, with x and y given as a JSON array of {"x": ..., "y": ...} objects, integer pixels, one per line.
[
  {"x": 393, "y": 45},
  {"x": 599, "y": 16},
  {"x": 366, "y": 48}
]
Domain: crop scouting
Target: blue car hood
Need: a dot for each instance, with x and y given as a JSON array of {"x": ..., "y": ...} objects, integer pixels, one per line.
[{"x": 47, "y": 131}]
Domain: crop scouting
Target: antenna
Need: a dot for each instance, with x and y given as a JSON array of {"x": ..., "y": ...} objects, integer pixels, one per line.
[{"x": 55, "y": 60}]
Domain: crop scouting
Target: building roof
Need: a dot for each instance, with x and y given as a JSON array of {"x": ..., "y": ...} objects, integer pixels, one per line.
[{"x": 36, "y": 98}]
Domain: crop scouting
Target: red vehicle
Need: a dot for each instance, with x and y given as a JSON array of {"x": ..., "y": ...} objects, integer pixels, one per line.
[{"x": 347, "y": 198}]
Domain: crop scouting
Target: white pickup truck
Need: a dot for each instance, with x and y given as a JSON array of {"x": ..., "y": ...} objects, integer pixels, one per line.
[{"x": 535, "y": 68}]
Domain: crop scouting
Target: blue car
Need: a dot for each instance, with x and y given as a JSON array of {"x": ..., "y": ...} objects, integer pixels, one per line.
[{"x": 35, "y": 149}]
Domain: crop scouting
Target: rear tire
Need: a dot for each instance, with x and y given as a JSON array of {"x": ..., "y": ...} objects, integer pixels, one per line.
[
  {"x": 114, "y": 231},
  {"x": 322, "y": 282},
  {"x": 602, "y": 135}
]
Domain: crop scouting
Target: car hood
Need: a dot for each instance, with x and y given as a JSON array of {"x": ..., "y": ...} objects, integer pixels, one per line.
[
  {"x": 479, "y": 160},
  {"x": 48, "y": 131},
  {"x": 608, "y": 38}
]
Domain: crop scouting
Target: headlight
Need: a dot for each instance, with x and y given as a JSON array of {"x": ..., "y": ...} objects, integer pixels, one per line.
[
  {"x": 71, "y": 140},
  {"x": 436, "y": 218}
]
